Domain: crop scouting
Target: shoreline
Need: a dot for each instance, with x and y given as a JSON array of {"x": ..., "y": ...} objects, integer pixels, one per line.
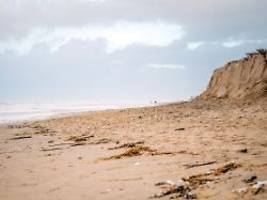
[{"x": 77, "y": 113}]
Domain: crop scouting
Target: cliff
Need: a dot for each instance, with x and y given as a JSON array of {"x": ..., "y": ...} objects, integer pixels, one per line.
[{"x": 245, "y": 78}]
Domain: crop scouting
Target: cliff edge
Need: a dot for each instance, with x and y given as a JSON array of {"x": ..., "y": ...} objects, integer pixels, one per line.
[{"x": 241, "y": 79}]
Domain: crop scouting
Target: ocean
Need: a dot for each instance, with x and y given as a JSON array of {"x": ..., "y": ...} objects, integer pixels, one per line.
[{"x": 19, "y": 112}]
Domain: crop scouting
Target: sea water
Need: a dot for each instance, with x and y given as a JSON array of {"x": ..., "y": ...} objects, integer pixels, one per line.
[{"x": 17, "y": 112}]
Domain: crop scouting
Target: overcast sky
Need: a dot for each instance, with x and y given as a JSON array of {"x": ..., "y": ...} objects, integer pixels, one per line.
[{"x": 121, "y": 50}]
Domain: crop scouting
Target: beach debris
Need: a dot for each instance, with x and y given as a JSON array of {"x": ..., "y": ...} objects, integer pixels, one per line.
[
  {"x": 180, "y": 188},
  {"x": 258, "y": 186},
  {"x": 51, "y": 149},
  {"x": 169, "y": 182},
  {"x": 127, "y": 145},
  {"x": 240, "y": 190},
  {"x": 81, "y": 138},
  {"x": 130, "y": 152},
  {"x": 179, "y": 129},
  {"x": 137, "y": 150},
  {"x": 25, "y": 133},
  {"x": 156, "y": 153},
  {"x": 191, "y": 195},
  {"x": 199, "y": 179},
  {"x": 101, "y": 141},
  {"x": 185, "y": 186},
  {"x": 250, "y": 179},
  {"x": 227, "y": 167},
  {"x": 80, "y": 141},
  {"x": 78, "y": 144},
  {"x": 21, "y": 137},
  {"x": 199, "y": 164},
  {"x": 254, "y": 189},
  {"x": 244, "y": 150}
]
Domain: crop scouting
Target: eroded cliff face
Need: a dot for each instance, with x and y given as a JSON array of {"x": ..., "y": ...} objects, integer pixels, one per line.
[{"x": 245, "y": 78}]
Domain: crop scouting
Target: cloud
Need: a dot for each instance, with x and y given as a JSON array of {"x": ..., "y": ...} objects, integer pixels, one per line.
[
  {"x": 17, "y": 18},
  {"x": 227, "y": 43},
  {"x": 230, "y": 43},
  {"x": 117, "y": 36},
  {"x": 165, "y": 66},
  {"x": 194, "y": 45}
]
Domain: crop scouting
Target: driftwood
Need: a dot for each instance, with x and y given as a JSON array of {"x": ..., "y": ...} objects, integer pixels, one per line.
[
  {"x": 199, "y": 164},
  {"x": 20, "y": 137},
  {"x": 179, "y": 129},
  {"x": 173, "y": 153},
  {"x": 227, "y": 167},
  {"x": 162, "y": 153},
  {"x": 52, "y": 149}
]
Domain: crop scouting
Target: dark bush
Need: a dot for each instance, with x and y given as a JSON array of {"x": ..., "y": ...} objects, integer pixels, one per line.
[{"x": 262, "y": 51}]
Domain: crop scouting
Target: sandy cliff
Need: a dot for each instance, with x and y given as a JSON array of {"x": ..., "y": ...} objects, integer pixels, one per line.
[{"x": 245, "y": 78}]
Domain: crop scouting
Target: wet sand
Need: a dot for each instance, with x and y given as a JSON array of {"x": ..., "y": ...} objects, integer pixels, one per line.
[{"x": 139, "y": 153}]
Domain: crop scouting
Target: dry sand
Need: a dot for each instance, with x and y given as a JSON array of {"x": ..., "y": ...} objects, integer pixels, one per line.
[{"x": 86, "y": 156}]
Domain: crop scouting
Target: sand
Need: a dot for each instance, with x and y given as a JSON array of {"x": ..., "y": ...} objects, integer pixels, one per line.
[{"x": 139, "y": 154}]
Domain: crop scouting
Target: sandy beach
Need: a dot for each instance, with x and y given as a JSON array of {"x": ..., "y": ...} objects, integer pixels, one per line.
[
  {"x": 133, "y": 100},
  {"x": 213, "y": 149}
]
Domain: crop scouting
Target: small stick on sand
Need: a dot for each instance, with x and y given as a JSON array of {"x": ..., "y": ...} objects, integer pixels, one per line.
[
  {"x": 199, "y": 164},
  {"x": 52, "y": 149},
  {"x": 20, "y": 138}
]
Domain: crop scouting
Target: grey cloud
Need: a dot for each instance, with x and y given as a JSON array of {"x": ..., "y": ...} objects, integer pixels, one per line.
[
  {"x": 118, "y": 36},
  {"x": 204, "y": 20}
]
